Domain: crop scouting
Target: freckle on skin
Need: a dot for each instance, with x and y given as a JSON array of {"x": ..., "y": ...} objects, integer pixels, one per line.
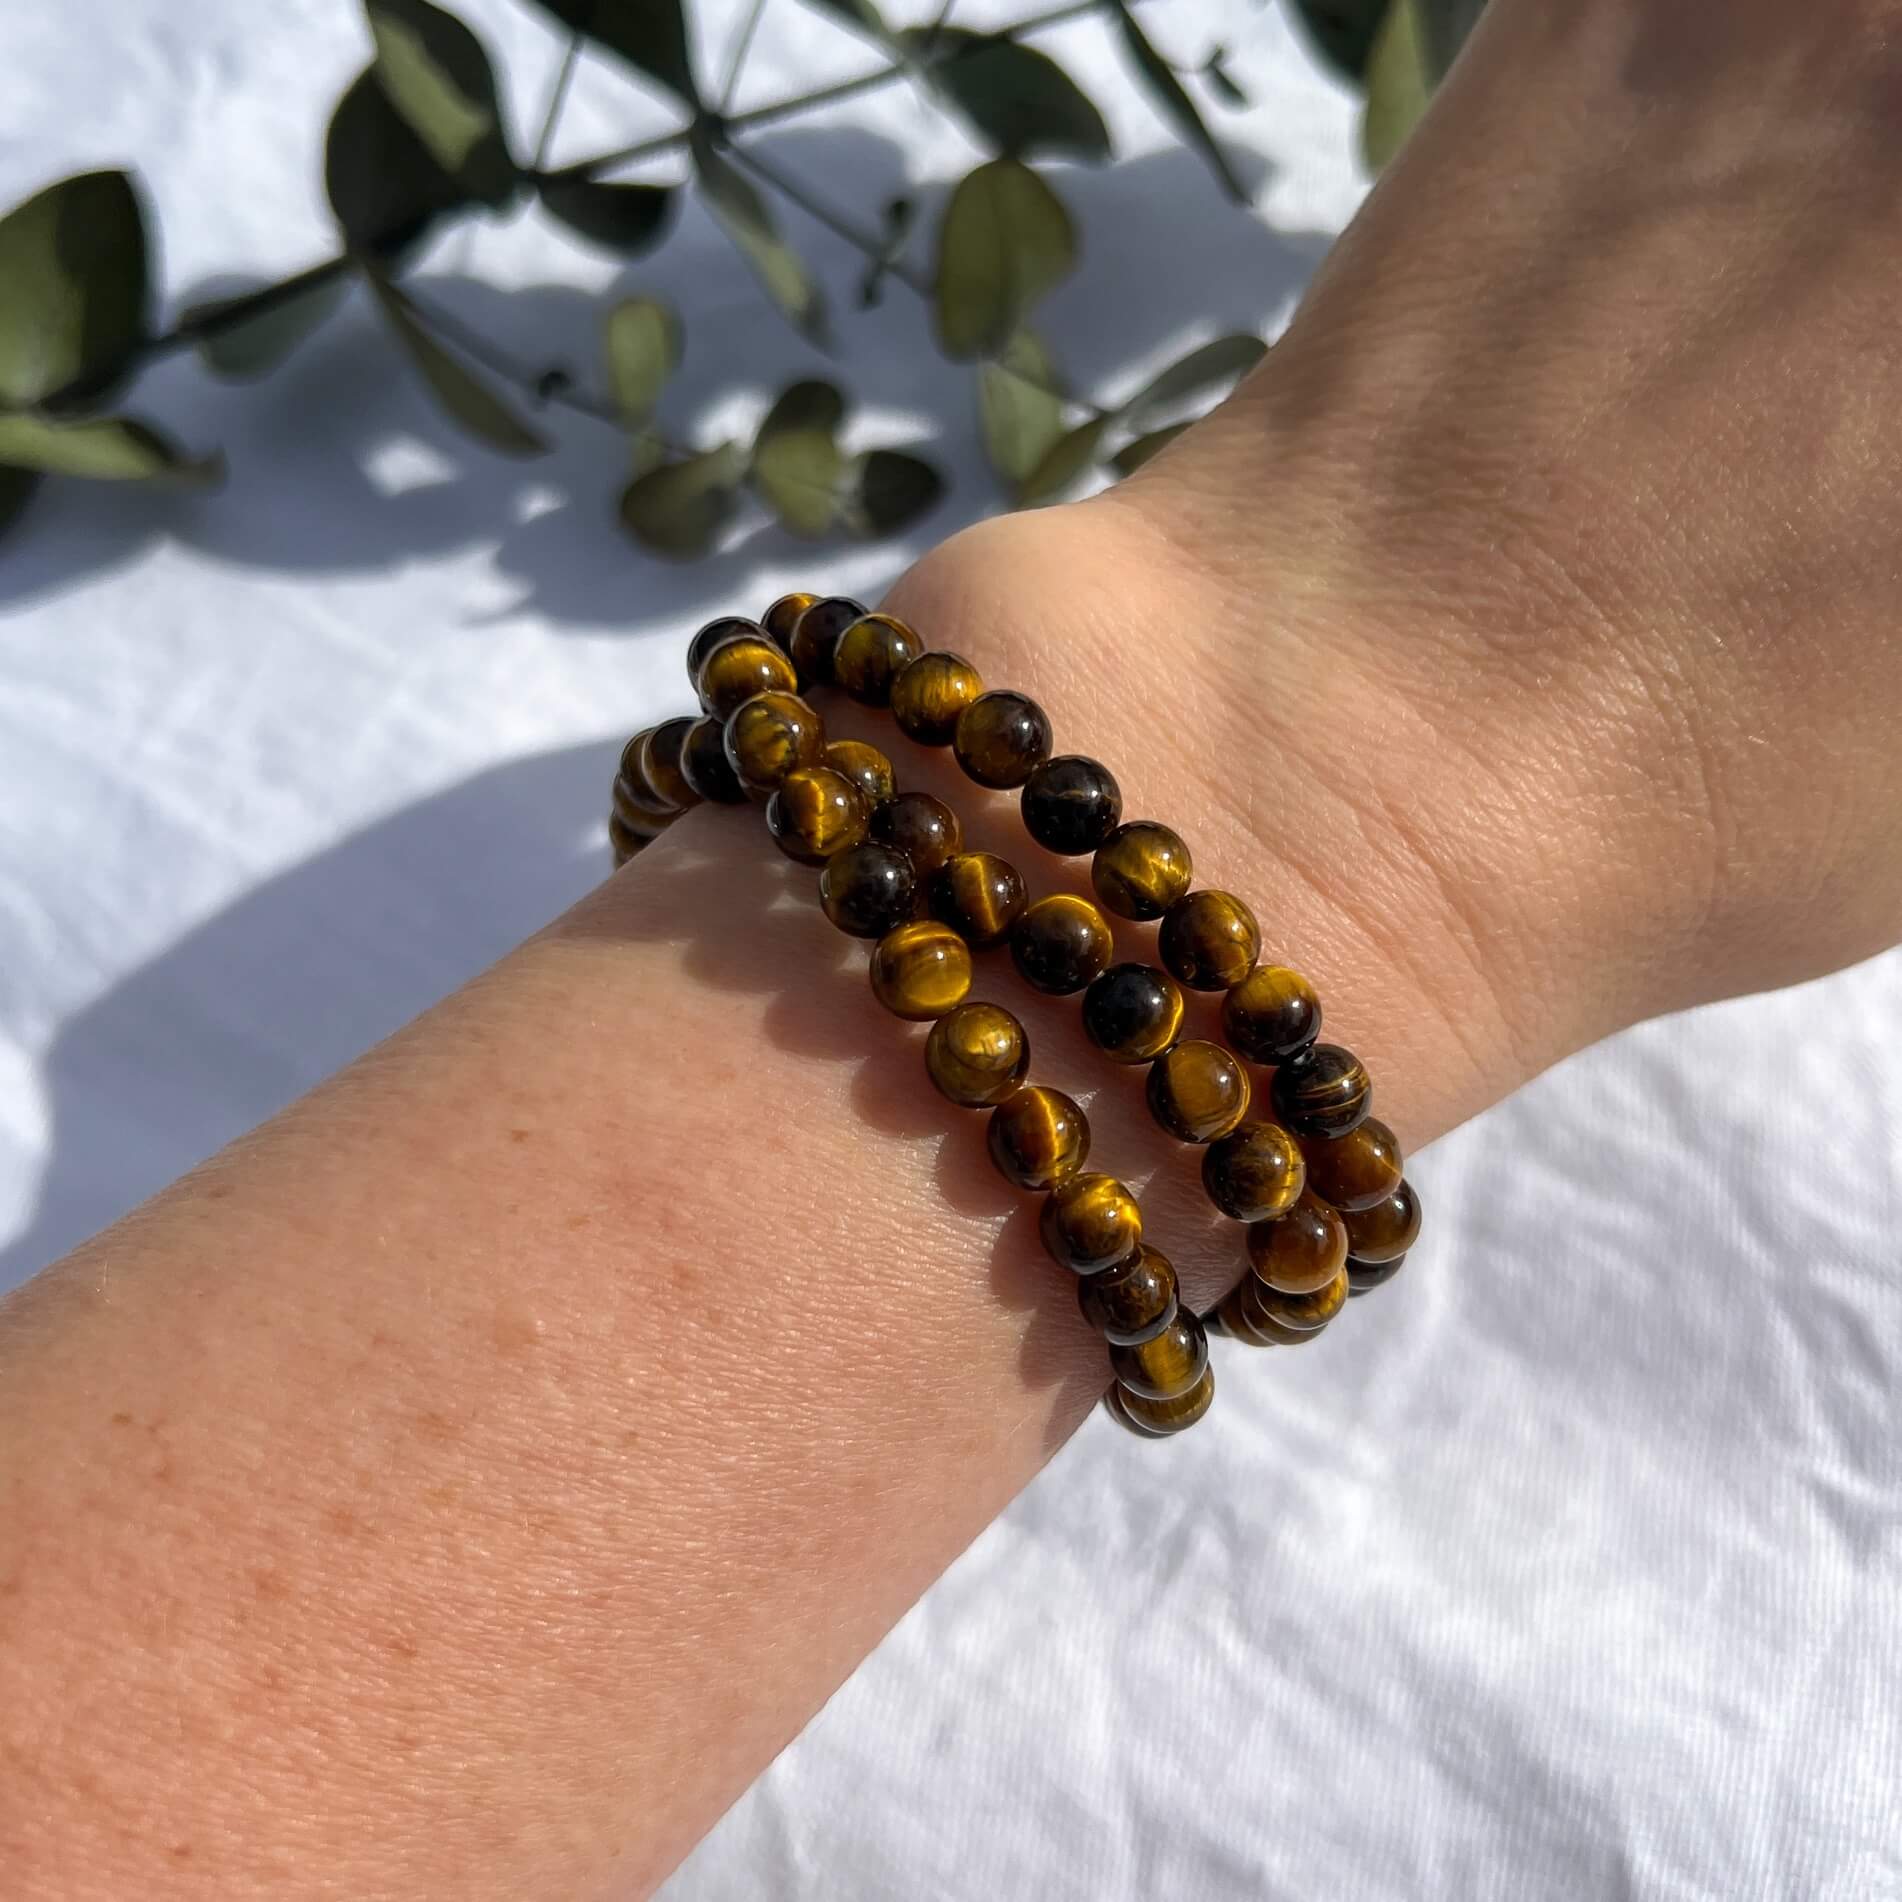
[
  {"x": 403, "y": 1647},
  {"x": 181, "y": 1852},
  {"x": 218, "y": 1192},
  {"x": 516, "y": 1328},
  {"x": 435, "y": 1426},
  {"x": 518, "y": 1135},
  {"x": 269, "y": 1584},
  {"x": 122, "y": 1419},
  {"x": 341, "y": 1520}
]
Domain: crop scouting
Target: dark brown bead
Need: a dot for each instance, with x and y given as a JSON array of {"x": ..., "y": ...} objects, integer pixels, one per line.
[
  {"x": 868, "y": 889},
  {"x": 1141, "y": 869},
  {"x": 710, "y": 637},
  {"x": 1090, "y": 1223},
  {"x": 1001, "y": 739},
  {"x": 1363, "y": 1277},
  {"x": 1302, "y": 1250},
  {"x": 1325, "y": 1091},
  {"x": 930, "y": 694},
  {"x": 622, "y": 841},
  {"x": 1071, "y": 804},
  {"x": 644, "y": 819},
  {"x": 783, "y": 616},
  {"x": 1039, "y": 1137},
  {"x": 634, "y": 773},
  {"x": 633, "y": 795},
  {"x": 871, "y": 654},
  {"x": 1272, "y": 1014},
  {"x": 738, "y": 669},
  {"x": 921, "y": 970},
  {"x": 816, "y": 634},
  {"x": 980, "y": 896},
  {"x": 865, "y": 766},
  {"x": 1387, "y": 1230},
  {"x": 925, "y": 829},
  {"x": 705, "y": 766},
  {"x": 1356, "y": 1170},
  {"x": 1061, "y": 943},
  {"x": 1254, "y": 1173},
  {"x": 1209, "y": 940},
  {"x": 1131, "y": 1302},
  {"x": 772, "y": 735},
  {"x": 977, "y": 1055},
  {"x": 814, "y": 813},
  {"x": 1133, "y": 1013},
  {"x": 1197, "y": 1091},
  {"x": 1244, "y": 1313},
  {"x": 1302, "y": 1312},
  {"x": 1167, "y": 1364},
  {"x": 661, "y": 751},
  {"x": 1158, "y": 1419}
]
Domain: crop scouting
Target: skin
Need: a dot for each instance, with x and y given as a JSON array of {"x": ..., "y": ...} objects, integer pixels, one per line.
[{"x": 463, "y": 1485}]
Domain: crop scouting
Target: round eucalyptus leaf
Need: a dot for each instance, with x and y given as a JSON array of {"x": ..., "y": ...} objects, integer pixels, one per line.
[
  {"x": 1223, "y": 360},
  {"x": 1019, "y": 406},
  {"x": 436, "y": 74},
  {"x": 251, "y": 333},
  {"x": 16, "y": 491},
  {"x": 860, "y": 15},
  {"x": 811, "y": 403},
  {"x": 1398, "y": 84},
  {"x": 625, "y": 218},
  {"x": 1342, "y": 31},
  {"x": 679, "y": 508},
  {"x": 102, "y": 448},
  {"x": 740, "y": 211},
  {"x": 1005, "y": 242},
  {"x": 1446, "y": 23},
  {"x": 799, "y": 474},
  {"x": 1159, "y": 77},
  {"x": 384, "y": 187},
  {"x": 644, "y": 342},
  {"x": 887, "y": 490},
  {"x": 1012, "y": 96},
  {"x": 651, "y": 35},
  {"x": 464, "y": 396},
  {"x": 1069, "y": 457}
]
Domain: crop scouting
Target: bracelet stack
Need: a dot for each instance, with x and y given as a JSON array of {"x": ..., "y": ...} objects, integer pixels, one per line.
[{"x": 1319, "y": 1185}]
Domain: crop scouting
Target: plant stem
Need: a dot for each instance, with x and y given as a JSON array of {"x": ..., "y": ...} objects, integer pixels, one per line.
[
  {"x": 259, "y": 303},
  {"x": 557, "y": 98},
  {"x": 737, "y": 58},
  {"x": 836, "y": 222}
]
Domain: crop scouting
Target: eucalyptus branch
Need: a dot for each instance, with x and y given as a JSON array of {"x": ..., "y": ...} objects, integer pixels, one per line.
[
  {"x": 557, "y": 98},
  {"x": 742, "y": 44},
  {"x": 836, "y": 222}
]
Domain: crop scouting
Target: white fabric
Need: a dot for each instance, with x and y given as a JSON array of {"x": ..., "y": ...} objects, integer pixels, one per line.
[{"x": 1571, "y": 1568}]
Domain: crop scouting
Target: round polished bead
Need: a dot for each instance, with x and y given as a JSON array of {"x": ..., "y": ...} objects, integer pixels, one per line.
[
  {"x": 1001, "y": 739},
  {"x": 726, "y": 628},
  {"x": 816, "y": 634},
  {"x": 1071, "y": 804},
  {"x": 1302, "y": 1312},
  {"x": 1133, "y": 1301},
  {"x": 866, "y": 767},
  {"x": 921, "y": 970},
  {"x": 925, "y": 829},
  {"x": 783, "y": 616},
  {"x": 1133, "y": 1012},
  {"x": 639, "y": 811},
  {"x": 1061, "y": 943},
  {"x": 1141, "y": 869},
  {"x": 815, "y": 812},
  {"x": 868, "y": 889},
  {"x": 660, "y": 757},
  {"x": 977, "y": 1055},
  {"x": 1302, "y": 1250},
  {"x": 1325, "y": 1091},
  {"x": 1388, "y": 1229},
  {"x": 980, "y": 896},
  {"x": 1254, "y": 1173},
  {"x": 1363, "y": 1277},
  {"x": 1157, "y": 1419},
  {"x": 1090, "y": 1223},
  {"x": 1168, "y": 1363},
  {"x": 622, "y": 840},
  {"x": 930, "y": 694},
  {"x": 770, "y": 735},
  {"x": 1243, "y": 1312},
  {"x": 871, "y": 654},
  {"x": 1209, "y": 939},
  {"x": 1197, "y": 1091},
  {"x": 738, "y": 669},
  {"x": 705, "y": 766},
  {"x": 1039, "y": 1137},
  {"x": 631, "y": 782},
  {"x": 1356, "y": 1170},
  {"x": 1272, "y": 1014}
]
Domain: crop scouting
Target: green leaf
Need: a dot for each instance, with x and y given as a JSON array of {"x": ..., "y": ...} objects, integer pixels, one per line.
[
  {"x": 644, "y": 345},
  {"x": 1166, "y": 89},
  {"x": 72, "y": 288},
  {"x": 680, "y": 508},
  {"x": 384, "y": 187},
  {"x": 1446, "y": 24},
  {"x": 246, "y": 335},
  {"x": 651, "y": 35},
  {"x": 1222, "y": 81},
  {"x": 860, "y": 15},
  {"x": 1005, "y": 242},
  {"x": 1015, "y": 98},
  {"x": 887, "y": 490},
  {"x": 467, "y": 399},
  {"x": 1343, "y": 31},
  {"x": 627, "y": 218},
  {"x": 899, "y": 213},
  {"x": 1398, "y": 85},
  {"x": 1131, "y": 457},
  {"x": 1067, "y": 458},
  {"x": 798, "y": 466},
  {"x": 435, "y": 73},
  {"x": 105, "y": 449},
  {"x": 742, "y": 214},
  {"x": 16, "y": 491},
  {"x": 1221, "y": 361},
  {"x": 1019, "y": 406}
]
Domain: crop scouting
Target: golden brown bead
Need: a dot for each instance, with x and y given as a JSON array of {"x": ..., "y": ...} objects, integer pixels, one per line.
[
  {"x": 1001, "y": 738},
  {"x": 977, "y": 1055},
  {"x": 871, "y": 654},
  {"x": 660, "y": 757},
  {"x": 1157, "y": 1419},
  {"x": 1090, "y": 1223},
  {"x": 816, "y": 634},
  {"x": 1038, "y": 1137},
  {"x": 772, "y": 735},
  {"x": 1356, "y": 1170},
  {"x": 865, "y": 766},
  {"x": 1071, "y": 804},
  {"x": 1061, "y": 943},
  {"x": 1302, "y": 1250},
  {"x": 705, "y": 766},
  {"x": 1387, "y": 1230},
  {"x": 1363, "y": 1277},
  {"x": 925, "y": 829},
  {"x": 930, "y": 694},
  {"x": 622, "y": 841},
  {"x": 1325, "y": 1091},
  {"x": 710, "y": 637},
  {"x": 738, "y": 669},
  {"x": 1141, "y": 869},
  {"x": 635, "y": 776},
  {"x": 1167, "y": 1364},
  {"x": 1131, "y": 1302},
  {"x": 1302, "y": 1312},
  {"x": 921, "y": 970},
  {"x": 1271, "y": 1014},
  {"x": 642, "y": 816},
  {"x": 1133, "y": 1013},
  {"x": 783, "y": 616},
  {"x": 1209, "y": 940},
  {"x": 815, "y": 812},
  {"x": 1197, "y": 1091},
  {"x": 868, "y": 889},
  {"x": 1254, "y": 1173},
  {"x": 980, "y": 896},
  {"x": 1242, "y": 1313}
]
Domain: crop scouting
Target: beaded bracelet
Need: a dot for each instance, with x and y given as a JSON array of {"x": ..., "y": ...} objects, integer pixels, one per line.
[{"x": 1328, "y": 1210}]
